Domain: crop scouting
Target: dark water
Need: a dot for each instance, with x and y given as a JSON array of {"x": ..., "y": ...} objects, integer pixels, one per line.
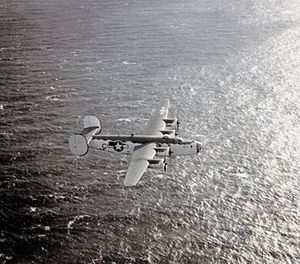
[{"x": 231, "y": 70}]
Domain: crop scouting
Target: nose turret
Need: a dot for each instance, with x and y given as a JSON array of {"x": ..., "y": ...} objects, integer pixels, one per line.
[{"x": 199, "y": 146}]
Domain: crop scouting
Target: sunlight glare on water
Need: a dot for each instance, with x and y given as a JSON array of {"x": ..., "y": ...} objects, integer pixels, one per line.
[{"x": 231, "y": 71}]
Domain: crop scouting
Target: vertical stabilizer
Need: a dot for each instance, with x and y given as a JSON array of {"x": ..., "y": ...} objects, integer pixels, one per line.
[{"x": 79, "y": 144}]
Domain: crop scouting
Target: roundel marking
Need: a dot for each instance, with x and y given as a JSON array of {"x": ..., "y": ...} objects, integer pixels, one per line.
[{"x": 118, "y": 146}]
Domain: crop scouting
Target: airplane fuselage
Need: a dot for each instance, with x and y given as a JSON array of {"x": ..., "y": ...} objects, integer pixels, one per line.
[{"x": 127, "y": 144}]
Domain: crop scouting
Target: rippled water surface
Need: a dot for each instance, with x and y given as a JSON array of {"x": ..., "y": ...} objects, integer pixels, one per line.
[{"x": 231, "y": 70}]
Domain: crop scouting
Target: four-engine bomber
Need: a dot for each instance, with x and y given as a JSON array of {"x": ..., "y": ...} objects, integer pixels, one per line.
[{"x": 149, "y": 149}]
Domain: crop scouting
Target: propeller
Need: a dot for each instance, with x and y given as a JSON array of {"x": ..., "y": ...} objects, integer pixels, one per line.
[
  {"x": 177, "y": 128},
  {"x": 166, "y": 159},
  {"x": 165, "y": 165}
]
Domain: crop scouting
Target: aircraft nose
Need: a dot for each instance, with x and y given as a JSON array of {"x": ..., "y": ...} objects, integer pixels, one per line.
[{"x": 199, "y": 147}]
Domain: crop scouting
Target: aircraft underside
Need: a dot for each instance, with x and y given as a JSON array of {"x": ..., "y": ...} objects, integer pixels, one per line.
[{"x": 149, "y": 149}]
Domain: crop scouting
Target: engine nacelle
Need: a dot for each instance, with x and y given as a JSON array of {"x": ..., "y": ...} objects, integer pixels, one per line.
[
  {"x": 170, "y": 132},
  {"x": 173, "y": 125},
  {"x": 162, "y": 151},
  {"x": 156, "y": 163},
  {"x": 170, "y": 122}
]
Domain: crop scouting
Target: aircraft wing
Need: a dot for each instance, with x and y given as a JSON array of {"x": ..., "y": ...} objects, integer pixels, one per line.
[
  {"x": 139, "y": 163},
  {"x": 139, "y": 159},
  {"x": 156, "y": 120}
]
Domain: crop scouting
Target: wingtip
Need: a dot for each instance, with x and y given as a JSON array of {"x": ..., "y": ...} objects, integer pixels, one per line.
[{"x": 128, "y": 184}]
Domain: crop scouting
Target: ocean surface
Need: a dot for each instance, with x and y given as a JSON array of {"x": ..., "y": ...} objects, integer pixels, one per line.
[{"x": 231, "y": 70}]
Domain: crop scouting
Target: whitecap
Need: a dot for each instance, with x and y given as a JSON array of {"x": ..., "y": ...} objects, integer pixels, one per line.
[
  {"x": 121, "y": 171},
  {"x": 70, "y": 223},
  {"x": 124, "y": 120},
  {"x": 159, "y": 176},
  {"x": 32, "y": 209},
  {"x": 54, "y": 98},
  {"x": 128, "y": 63}
]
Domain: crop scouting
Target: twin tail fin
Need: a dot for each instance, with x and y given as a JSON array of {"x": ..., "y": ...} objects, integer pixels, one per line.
[{"x": 79, "y": 144}]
